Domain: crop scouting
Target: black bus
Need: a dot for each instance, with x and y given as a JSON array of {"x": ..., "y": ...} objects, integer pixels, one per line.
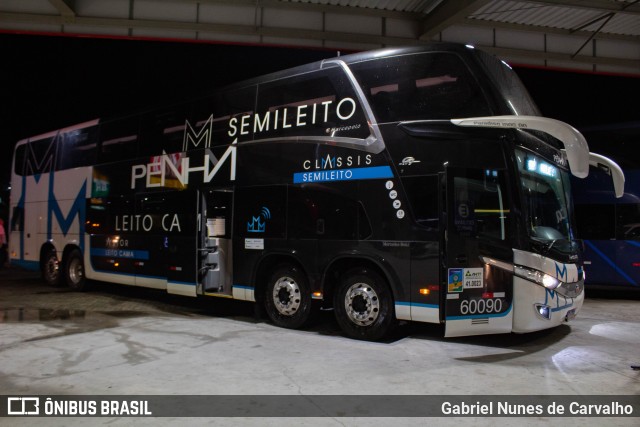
[{"x": 400, "y": 184}]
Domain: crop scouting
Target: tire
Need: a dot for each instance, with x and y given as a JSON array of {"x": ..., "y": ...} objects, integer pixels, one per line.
[
  {"x": 287, "y": 298},
  {"x": 50, "y": 268},
  {"x": 363, "y": 305},
  {"x": 74, "y": 271}
]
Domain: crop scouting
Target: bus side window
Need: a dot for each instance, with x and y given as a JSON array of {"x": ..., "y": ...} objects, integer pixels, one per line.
[
  {"x": 316, "y": 213},
  {"x": 77, "y": 148},
  {"x": 162, "y": 131},
  {"x": 316, "y": 103},
  {"x": 118, "y": 140},
  {"x": 480, "y": 207},
  {"x": 19, "y": 160},
  {"x": 628, "y": 221},
  {"x": 425, "y": 86},
  {"x": 223, "y": 113},
  {"x": 422, "y": 192},
  {"x": 41, "y": 156}
]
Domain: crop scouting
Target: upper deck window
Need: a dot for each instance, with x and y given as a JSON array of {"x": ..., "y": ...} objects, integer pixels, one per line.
[
  {"x": 320, "y": 103},
  {"x": 40, "y": 156},
  {"x": 512, "y": 91},
  {"x": 119, "y": 139},
  {"x": 428, "y": 86},
  {"x": 18, "y": 167},
  {"x": 77, "y": 148}
]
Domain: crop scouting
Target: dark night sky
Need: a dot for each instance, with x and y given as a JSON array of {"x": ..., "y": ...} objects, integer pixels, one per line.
[{"x": 52, "y": 82}]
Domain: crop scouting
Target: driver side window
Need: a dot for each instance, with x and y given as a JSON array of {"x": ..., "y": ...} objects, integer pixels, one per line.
[{"x": 481, "y": 208}]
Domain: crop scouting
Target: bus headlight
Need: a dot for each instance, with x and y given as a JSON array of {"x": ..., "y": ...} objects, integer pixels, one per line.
[
  {"x": 536, "y": 276},
  {"x": 550, "y": 282}
]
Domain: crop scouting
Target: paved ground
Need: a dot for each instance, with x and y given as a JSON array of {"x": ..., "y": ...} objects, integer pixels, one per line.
[{"x": 129, "y": 341}]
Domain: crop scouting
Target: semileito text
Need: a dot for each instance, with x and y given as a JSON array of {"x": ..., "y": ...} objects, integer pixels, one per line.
[{"x": 291, "y": 116}]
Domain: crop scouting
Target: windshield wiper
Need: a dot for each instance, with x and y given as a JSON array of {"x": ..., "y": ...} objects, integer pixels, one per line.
[
  {"x": 546, "y": 245},
  {"x": 549, "y": 245}
]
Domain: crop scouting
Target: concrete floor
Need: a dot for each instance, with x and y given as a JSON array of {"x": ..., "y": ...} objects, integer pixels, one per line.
[{"x": 121, "y": 340}]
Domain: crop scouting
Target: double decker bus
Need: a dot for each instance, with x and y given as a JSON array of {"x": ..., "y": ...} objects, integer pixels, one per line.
[{"x": 399, "y": 184}]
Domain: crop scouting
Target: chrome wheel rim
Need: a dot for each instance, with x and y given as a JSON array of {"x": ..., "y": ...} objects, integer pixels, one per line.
[
  {"x": 362, "y": 304},
  {"x": 286, "y": 296}
]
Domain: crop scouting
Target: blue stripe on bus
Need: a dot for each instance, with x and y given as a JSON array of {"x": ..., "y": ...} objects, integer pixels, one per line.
[
  {"x": 632, "y": 243},
  {"x": 553, "y": 310},
  {"x": 251, "y": 288},
  {"x": 610, "y": 262},
  {"x": 553, "y": 293},
  {"x": 120, "y": 253},
  {"x": 173, "y": 282},
  {"x": 143, "y": 276},
  {"x": 373, "y": 172},
  {"x": 415, "y": 304}
]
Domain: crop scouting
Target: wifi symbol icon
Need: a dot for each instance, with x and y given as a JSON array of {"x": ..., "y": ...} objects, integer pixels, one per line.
[{"x": 265, "y": 212}]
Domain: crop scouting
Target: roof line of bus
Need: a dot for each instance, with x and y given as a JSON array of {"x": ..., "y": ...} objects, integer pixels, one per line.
[
  {"x": 301, "y": 69},
  {"x": 348, "y": 59},
  {"x": 52, "y": 133}
]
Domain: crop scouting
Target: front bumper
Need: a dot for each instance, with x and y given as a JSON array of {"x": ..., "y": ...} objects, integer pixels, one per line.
[{"x": 536, "y": 308}]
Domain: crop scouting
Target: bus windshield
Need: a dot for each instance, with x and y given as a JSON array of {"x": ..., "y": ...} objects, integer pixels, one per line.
[
  {"x": 547, "y": 195},
  {"x": 509, "y": 85}
]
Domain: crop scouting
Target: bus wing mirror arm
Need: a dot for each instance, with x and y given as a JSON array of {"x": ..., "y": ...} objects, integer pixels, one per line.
[
  {"x": 573, "y": 141},
  {"x": 611, "y": 168}
]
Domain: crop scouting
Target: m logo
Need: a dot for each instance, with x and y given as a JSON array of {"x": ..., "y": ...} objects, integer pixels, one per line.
[
  {"x": 40, "y": 157},
  {"x": 194, "y": 138},
  {"x": 77, "y": 210},
  {"x": 561, "y": 272},
  {"x": 258, "y": 223}
]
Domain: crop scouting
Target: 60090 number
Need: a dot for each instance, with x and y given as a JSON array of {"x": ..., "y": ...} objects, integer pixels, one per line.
[{"x": 481, "y": 306}]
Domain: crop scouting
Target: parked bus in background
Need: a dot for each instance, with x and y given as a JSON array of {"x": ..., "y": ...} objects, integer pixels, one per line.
[
  {"x": 400, "y": 184},
  {"x": 610, "y": 226}
]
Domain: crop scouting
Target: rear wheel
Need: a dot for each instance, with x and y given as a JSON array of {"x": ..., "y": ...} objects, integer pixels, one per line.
[
  {"x": 50, "y": 267},
  {"x": 74, "y": 271},
  {"x": 363, "y": 305},
  {"x": 287, "y": 298}
]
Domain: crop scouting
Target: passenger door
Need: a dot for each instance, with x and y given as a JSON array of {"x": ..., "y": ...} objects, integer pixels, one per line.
[
  {"x": 166, "y": 228},
  {"x": 215, "y": 243},
  {"x": 476, "y": 286}
]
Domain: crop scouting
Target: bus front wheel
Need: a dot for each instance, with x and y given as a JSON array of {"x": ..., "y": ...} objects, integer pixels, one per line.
[
  {"x": 50, "y": 267},
  {"x": 287, "y": 298},
  {"x": 74, "y": 271},
  {"x": 363, "y": 305}
]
